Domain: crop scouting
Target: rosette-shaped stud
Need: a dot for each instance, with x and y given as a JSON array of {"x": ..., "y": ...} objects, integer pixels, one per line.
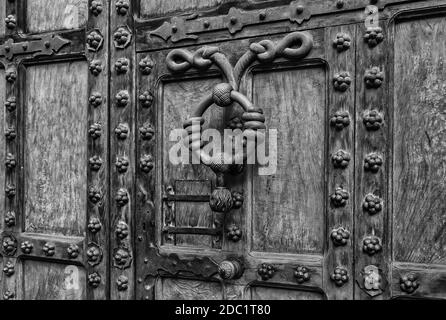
[
  {"x": 10, "y": 219},
  {"x": 122, "y": 283},
  {"x": 266, "y": 271},
  {"x": 122, "y": 165},
  {"x": 339, "y": 198},
  {"x": 95, "y": 163},
  {"x": 122, "y": 230},
  {"x": 122, "y": 65},
  {"x": 95, "y": 99},
  {"x": 10, "y": 191},
  {"x": 122, "y": 98},
  {"x": 374, "y": 78},
  {"x": 11, "y": 75},
  {"x": 122, "y": 258},
  {"x": 9, "y": 269},
  {"x": 95, "y": 131},
  {"x": 147, "y": 132},
  {"x": 94, "y": 225},
  {"x": 146, "y": 66},
  {"x": 95, "y": 40},
  {"x": 122, "y": 37},
  {"x": 27, "y": 247},
  {"x": 73, "y": 251},
  {"x": 94, "y": 280},
  {"x": 340, "y": 276},
  {"x": 122, "y": 198},
  {"x": 10, "y": 161},
  {"x": 96, "y": 7},
  {"x": 373, "y": 162},
  {"x": 409, "y": 283},
  {"x": 122, "y": 131},
  {"x": 9, "y": 245},
  {"x": 341, "y": 159},
  {"x": 374, "y": 36},
  {"x": 221, "y": 200},
  {"x": 94, "y": 255},
  {"x": 11, "y": 21},
  {"x": 10, "y": 134},
  {"x": 146, "y": 99},
  {"x": 95, "y": 67},
  {"x": 302, "y": 274},
  {"x": 342, "y": 42},
  {"x": 342, "y": 81},
  {"x": 221, "y": 95},
  {"x": 234, "y": 233},
  {"x": 238, "y": 200},
  {"x": 8, "y": 295},
  {"x": 340, "y": 237},
  {"x": 146, "y": 163},
  {"x": 49, "y": 249},
  {"x": 340, "y": 120},
  {"x": 373, "y": 120},
  {"x": 11, "y": 104},
  {"x": 95, "y": 195},
  {"x": 122, "y": 7},
  {"x": 372, "y": 245},
  {"x": 372, "y": 204}
]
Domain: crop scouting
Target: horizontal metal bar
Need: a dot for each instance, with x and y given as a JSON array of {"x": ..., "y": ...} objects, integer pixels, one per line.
[
  {"x": 187, "y": 198},
  {"x": 193, "y": 231}
]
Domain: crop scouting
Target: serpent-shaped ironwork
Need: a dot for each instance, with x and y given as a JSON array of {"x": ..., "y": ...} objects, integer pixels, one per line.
[{"x": 294, "y": 46}]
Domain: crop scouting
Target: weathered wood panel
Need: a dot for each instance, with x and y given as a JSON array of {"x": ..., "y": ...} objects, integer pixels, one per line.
[
  {"x": 178, "y": 289},
  {"x": 179, "y": 100},
  {"x": 371, "y": 142},
  {"x": 2, "y": 143},
  {"x": 340, "y": 177},
  {"x": 288, "y": 207},
  {"x": 268, "y": 294},
  {"x": 47, "y": 281},
  {"x": 420, "y": 141},
  {"x": 48, "y": 15},
  {"x": 150, "y": 8},
  {"x": 56, "y": 148},
  {"x": 2, "y": 17}
]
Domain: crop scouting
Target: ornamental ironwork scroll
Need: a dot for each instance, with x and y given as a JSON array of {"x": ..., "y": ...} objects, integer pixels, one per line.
[{"x": 294, "y": 46}]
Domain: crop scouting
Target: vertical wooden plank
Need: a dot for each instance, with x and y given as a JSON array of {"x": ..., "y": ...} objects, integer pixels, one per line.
[
  {"x": 147, "y": 138},
  {"x": 340, "y": 165},
  {"x": 372, "y": 141},
  {"x": 98, "y": 151},
  {"x": 123, "y": 101}
]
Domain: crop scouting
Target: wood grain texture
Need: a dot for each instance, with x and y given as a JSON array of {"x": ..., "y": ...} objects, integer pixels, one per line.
[
  {"x": 2, "y": 17},
  {"x": 368, "y": 142},
  {"x": 179, "y": 100},
  {"x": 48, "y": 15},
  {"x": 420, "y": 141},
  {"x": 56, "y": 149},
  {"x": 268, "y": 294},
  {"x": 2, "y": 143},
  {"x": 178, "y": 289},
  {"x": 340, "y": 256},
  {"x": 431, "y": 279},
  {"x": 46, "y": 281},
  {"x": 288, "y": 207},
  {"x": 150, "y": 8}
]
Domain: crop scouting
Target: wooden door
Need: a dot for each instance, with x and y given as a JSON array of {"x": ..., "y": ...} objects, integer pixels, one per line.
[
  {"x": 55, "y": 207},
  {"x": 95, "y": 209},
  {"x": 355, "y": 208}
]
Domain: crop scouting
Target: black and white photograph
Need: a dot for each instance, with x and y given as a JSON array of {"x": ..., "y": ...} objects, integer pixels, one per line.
[{"x": 223, "y": 155}]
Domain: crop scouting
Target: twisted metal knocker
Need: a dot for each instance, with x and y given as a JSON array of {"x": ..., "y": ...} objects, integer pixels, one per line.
[{"x": 226, "y": 94}]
